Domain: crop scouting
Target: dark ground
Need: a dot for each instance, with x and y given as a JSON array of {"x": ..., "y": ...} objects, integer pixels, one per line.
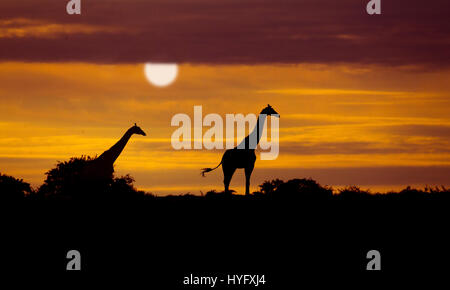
[{"x": 156, "y": 242}]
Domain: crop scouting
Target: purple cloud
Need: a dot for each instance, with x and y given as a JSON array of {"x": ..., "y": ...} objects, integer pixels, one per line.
[{"x": 229, "y": 31}]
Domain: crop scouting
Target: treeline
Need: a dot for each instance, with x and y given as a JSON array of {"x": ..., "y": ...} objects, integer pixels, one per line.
[{"x": 64, "y": 182}]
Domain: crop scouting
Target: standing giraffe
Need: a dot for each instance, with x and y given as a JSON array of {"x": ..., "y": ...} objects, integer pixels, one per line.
[
  {"x": 243, "y": 155},
  {"x": 103, "y": 166}
]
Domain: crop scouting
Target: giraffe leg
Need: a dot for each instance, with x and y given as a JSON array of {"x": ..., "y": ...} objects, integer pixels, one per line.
[
  {"x": 248, "y": 173},
  {"x": 227, "y": 175}
]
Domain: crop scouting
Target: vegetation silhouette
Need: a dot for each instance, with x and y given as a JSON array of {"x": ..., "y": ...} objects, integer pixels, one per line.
[
  {"x": 68, "y": 181},
  {"x": 65, "y": 182},
  {"x": 13, "y": 189},
  {"x": 295, "y": 188}
]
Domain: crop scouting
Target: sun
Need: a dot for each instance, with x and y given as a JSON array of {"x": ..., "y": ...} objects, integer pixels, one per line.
[{"x": 161, "y": 74}]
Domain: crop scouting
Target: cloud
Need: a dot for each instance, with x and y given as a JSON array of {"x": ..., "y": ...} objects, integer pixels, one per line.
[
  {"x": 231, "y": 31},
  {"x": 355, "y": 148},
  {"x": 439, "y": 131},
  {"x": 28, "y": 28},
  {"x": 333, "y": 92}
]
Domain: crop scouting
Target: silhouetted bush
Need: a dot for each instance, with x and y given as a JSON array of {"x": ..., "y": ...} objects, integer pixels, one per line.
[
  {"x": 412, "y": 192},
  {"x": 12, "y": 188},
  {"x": 436, "y": 190},
  {"x": 269, "y": 187},
  {"x": 68, "y": 181},
  {"x": 295, "y": 188},
  {"x": 65, "y": 179},
  {"x": 215, "y": 194},
  {"x": 353, "y": 192},
  {"x": 123, "y": 188}
]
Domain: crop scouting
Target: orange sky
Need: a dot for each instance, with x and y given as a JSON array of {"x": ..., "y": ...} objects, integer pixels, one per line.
[
  {"x": 364, "y": 99},
  {"x": 371, "y": 125}
]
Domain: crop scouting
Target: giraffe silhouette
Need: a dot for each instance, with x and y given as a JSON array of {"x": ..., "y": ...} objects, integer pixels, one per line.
[
  {"x": 243, "y": 155},
  {"x": 103, "y": 166}
]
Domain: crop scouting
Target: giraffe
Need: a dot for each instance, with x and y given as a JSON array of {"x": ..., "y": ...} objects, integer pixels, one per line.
[
  {"x": 243, "y": 155},
  {"x": 103, "y": 166}
]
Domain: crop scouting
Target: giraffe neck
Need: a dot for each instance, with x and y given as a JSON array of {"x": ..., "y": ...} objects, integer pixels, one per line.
[
  {"x": 113, "y": 153},
  {"x": 252, "y": 140}
]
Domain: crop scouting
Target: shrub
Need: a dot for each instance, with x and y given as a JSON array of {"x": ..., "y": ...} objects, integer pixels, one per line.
[{"x": 12, "y": 188}]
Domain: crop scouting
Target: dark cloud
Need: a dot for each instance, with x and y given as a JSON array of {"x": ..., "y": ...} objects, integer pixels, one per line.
[
  {"x": 25, "y": 161},
  {"x": 439, "y": 131},
  {"x": 229, "y": 31},
  {"x": 351, "y": 148}
]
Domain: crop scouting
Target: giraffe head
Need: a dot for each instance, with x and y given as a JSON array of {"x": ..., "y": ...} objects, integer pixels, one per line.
[
  {"x": 136, "y": 130},
  {"x": 269, "y": 111}
]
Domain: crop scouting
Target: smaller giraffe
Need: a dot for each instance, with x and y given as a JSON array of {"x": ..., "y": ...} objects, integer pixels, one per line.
[
  {"x": 243, "y": 155},
  {"x": 103, "y": 166}
]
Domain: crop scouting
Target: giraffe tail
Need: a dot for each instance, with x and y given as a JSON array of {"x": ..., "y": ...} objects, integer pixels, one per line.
[{"x": 205, "y": 170}]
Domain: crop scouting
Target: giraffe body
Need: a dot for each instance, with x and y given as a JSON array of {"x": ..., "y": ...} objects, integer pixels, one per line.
[{"x": 238, "y": 158}]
